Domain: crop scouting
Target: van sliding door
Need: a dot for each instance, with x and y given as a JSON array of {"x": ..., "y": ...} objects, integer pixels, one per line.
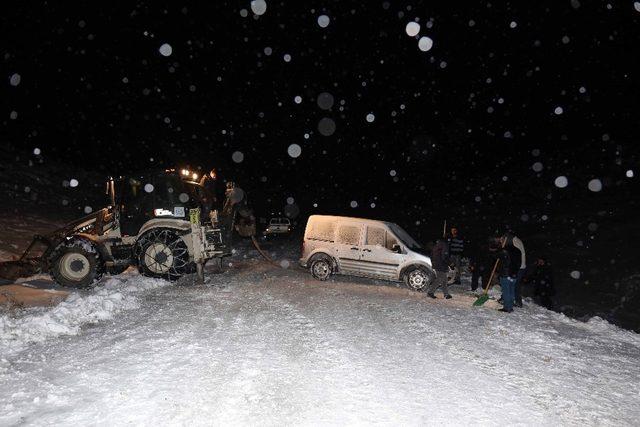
[{"x": 348, "y": 248}]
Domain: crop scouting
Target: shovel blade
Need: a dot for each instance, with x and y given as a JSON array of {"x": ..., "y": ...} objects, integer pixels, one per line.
[{"x": 481, "y": 300}]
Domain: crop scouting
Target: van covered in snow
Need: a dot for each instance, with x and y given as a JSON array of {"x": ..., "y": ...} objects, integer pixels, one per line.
[{"x": 364, "y": 247}]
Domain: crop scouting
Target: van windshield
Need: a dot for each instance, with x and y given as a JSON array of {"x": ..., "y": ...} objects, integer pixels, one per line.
[{"x": 404, "y": 236}]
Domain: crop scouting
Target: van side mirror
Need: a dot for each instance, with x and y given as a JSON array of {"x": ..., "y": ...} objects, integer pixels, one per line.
[{"x": 396, "y": 248}]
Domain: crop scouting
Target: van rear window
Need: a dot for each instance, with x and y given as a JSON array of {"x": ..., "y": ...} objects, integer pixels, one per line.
[{"x": 322, "y": 230}]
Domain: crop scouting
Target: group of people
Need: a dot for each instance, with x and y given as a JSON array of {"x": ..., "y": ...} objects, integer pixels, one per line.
[{"x": 503, "y": 258}]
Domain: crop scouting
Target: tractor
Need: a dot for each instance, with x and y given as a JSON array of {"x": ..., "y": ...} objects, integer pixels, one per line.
[{"x": 168, "y": 223}]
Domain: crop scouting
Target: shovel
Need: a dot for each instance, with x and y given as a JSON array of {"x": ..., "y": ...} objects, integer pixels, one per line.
[{"x": 485, "y": 296}]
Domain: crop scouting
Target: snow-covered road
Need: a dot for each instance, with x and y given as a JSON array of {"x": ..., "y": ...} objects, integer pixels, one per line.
[{"x": 258, "y": 345}]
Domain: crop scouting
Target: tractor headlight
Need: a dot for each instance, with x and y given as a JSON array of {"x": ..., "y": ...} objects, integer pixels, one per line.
[{"x": 162, "y": 212}]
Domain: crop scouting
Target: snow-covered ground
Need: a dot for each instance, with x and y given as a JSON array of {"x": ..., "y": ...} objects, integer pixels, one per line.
[{"x": 261, "y": 345}]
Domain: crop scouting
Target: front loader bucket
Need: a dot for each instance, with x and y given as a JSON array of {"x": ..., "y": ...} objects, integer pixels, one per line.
[
  {"x": 28, "y": 264},
  {"x": 12, "y": 270}
]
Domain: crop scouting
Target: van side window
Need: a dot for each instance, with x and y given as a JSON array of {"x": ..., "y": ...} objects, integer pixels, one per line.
[
  {"x": 349, "y": 235},
  {"x": 322, "y": 230},
  {"x": 375, "y": 236},
  {"x": 391, "y": 240}
]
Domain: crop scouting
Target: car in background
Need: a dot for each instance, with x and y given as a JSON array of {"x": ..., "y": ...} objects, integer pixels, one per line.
[
  {"x": 364, "y": 247},
  {"x": 278, "y": 226}
]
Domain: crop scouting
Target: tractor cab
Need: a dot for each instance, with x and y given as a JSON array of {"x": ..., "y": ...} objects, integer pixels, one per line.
[{"x": 166, "y": 194}]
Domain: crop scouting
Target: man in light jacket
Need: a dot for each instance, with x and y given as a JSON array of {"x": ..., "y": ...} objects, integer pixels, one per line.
[
  {"x": 512, "y": 241},
  {"x": 509, "y": 257}
]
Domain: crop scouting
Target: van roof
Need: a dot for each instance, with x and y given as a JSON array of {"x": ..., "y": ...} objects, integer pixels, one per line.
[{"x": 350, "y": 218}]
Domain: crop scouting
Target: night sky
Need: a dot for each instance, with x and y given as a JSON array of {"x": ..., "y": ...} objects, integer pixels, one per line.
[{"x": 511, "y": 96}]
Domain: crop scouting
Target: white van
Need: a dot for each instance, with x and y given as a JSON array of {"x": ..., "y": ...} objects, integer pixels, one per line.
[{"x": 364, "y": 247}]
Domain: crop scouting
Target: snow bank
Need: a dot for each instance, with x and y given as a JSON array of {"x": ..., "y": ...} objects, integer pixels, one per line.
[{"x": 67, "y": 318}]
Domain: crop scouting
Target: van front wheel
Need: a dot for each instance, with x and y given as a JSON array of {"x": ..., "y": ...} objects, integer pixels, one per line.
[
  {"x": 418, "y": 279},
  {"x": 321, "y": 268}
]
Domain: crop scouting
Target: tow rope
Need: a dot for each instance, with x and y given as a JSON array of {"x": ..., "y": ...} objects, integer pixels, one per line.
[{"x": 264, "y": 255}]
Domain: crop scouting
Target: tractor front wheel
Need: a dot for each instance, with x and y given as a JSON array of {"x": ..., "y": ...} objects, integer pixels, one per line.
[{"x": 76, "y": 263}]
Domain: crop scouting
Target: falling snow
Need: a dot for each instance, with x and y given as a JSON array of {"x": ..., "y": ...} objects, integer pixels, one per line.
[
  {"x": 325, "y": 101},
  {"x": 15, "y": 79},
  {"x": 412, "y": 29},
  {"x": 237, "y": 157},
  {"x": 323, "y": 21},
  {"x": 294, "y": 150},
  {"x": 259, "y": 7},
  {"x": 595, "y": 185},
  {"x": 326, "y": 126},
  {"x": 166, "y": 49},
  {"x": 425, "y": 44},
  {"x": 561, "y": 182}
]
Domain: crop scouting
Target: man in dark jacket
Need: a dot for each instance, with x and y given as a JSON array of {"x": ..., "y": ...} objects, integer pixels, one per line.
[
  {"x": 456, "y": 250},
  {"x": 440, "y": 263},
  {"x": 510, "y": 259},
  {"x": 542, "y": 280}
]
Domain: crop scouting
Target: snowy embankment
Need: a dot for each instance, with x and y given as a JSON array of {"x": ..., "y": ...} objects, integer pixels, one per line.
[
  {"x": 115, "y": 294},
  {"x": 260, "y": 345}
]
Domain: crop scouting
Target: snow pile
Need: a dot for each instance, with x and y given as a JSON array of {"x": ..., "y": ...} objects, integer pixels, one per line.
[
  {"x": 108, "y": 299},
  {"x": 599, "y": 325}
]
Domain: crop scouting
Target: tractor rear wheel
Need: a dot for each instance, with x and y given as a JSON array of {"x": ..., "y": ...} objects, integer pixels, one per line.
[
  {"x": 162, "y": 253},
  {"x": 76, "y": 263}
]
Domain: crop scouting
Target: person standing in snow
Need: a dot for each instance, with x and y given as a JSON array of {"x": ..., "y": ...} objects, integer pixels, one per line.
[
  {"x": 456, "y": 249},
  {"x": 440, "y": 262},
  {"x": 481, "y": 264},
  {"x": 509, "y": 266},
  {"x": 513, "y": 242},
  {"x": 542, "y": 280}
]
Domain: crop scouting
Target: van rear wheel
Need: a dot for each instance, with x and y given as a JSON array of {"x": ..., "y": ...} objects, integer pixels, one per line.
[{"x": 321, "y": 268}]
